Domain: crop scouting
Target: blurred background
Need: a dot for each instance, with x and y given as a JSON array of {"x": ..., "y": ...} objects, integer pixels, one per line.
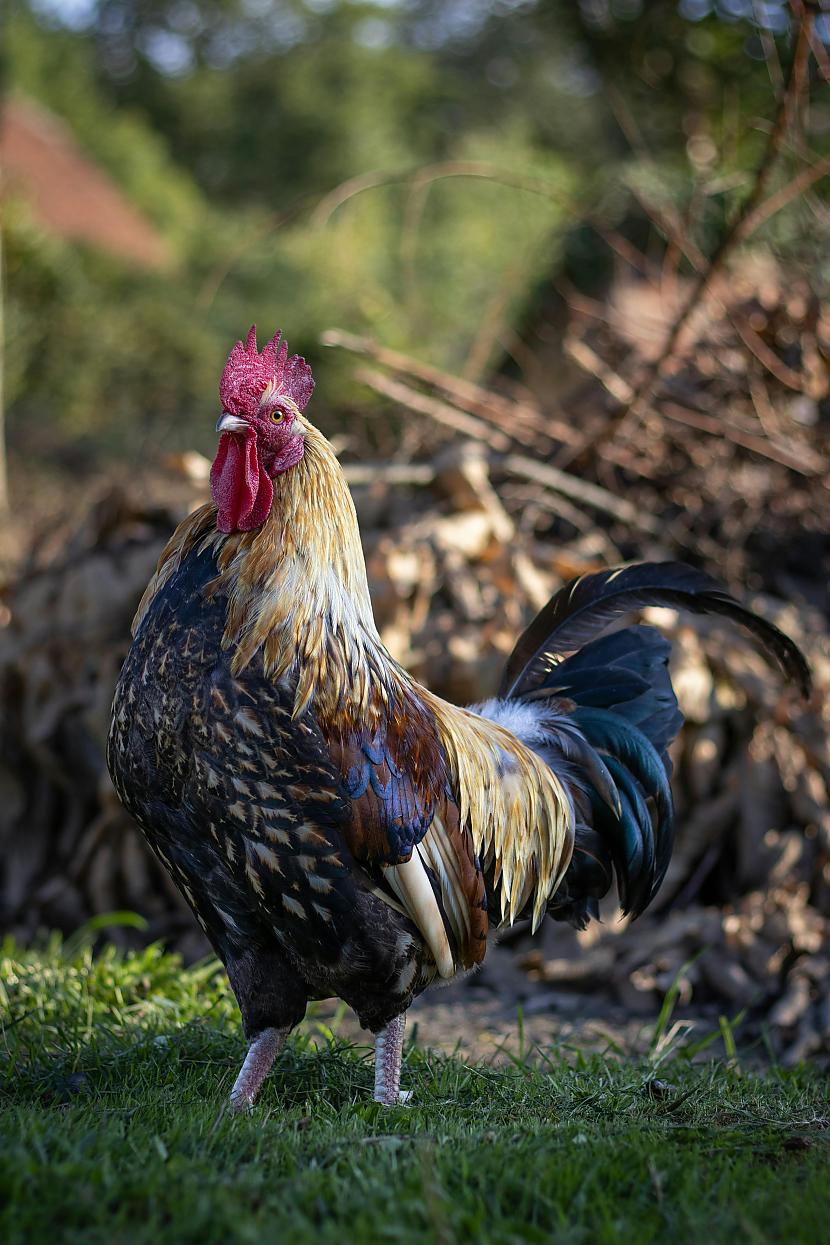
[{"x": 561, "y": 269}]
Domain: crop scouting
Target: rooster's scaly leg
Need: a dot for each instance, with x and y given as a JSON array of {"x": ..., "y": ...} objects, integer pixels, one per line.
[
  {"x": 261, "y": 1054},
  {"x": 388, "y": 1054}
]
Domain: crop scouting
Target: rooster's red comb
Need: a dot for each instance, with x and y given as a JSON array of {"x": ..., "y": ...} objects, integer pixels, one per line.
[{"x": 248, "y": 373}]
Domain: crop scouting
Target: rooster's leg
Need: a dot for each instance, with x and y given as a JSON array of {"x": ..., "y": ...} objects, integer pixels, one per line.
[
  {"x": 388, "y": 1054},
  {"x": 261, "y": 1054}
]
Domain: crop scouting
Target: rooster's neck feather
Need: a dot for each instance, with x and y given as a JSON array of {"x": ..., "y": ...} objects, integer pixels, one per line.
[{"x": 297, "y": 591}]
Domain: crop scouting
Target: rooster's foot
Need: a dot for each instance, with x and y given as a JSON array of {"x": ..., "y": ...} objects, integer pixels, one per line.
[
  {"x": 388, "y": 1055},
  {"x": 262, "y": 1052}
]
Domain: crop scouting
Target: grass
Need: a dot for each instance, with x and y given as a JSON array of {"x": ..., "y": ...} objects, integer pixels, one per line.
[{"x": 114, "y": 1072}]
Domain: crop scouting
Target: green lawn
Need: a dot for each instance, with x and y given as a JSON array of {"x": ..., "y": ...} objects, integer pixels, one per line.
[{"x": 115, "y": 1072}]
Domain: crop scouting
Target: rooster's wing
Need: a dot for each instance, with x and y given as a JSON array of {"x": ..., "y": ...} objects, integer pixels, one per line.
[{"x": 407, "y": 832}]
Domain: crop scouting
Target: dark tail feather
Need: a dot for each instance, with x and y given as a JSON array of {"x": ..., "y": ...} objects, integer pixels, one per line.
[
  {"x": 626, "y": 672},
  {"x": 581, "y": 610},
  {"x": 627, "y": 714},
  {"x": 636, "y": 833},
  {"x": 614, "y": 714}
]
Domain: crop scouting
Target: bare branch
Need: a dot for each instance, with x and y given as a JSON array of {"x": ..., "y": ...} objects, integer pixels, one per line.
[
  {"x": 441, "y": 412},
  {"x": 472, "y": 397},
  {"x": 799, "y": 184},
  {"x": 670, "y": 224},
  {"x": 359, "y": 474},
  {"x": 798, "y": 458},
  {"x": 589, "y": 494},
  {"x": 591, "y": 362},
  {"x": 428, "y": 173},
  {"x": 737, "y": 231}
]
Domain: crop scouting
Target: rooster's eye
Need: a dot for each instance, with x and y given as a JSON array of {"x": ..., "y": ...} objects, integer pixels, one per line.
[{"x": 277, "y": 416}]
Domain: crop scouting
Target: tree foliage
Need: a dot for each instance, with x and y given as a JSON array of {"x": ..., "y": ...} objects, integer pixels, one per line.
[{"x": 229, "y": 123}]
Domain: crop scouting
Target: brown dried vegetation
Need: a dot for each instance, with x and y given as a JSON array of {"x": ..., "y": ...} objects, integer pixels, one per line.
[{"x": 724, "y": 464}]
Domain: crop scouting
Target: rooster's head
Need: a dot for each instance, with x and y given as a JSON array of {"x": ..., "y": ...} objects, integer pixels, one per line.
[{"x": 262, "y": 395}]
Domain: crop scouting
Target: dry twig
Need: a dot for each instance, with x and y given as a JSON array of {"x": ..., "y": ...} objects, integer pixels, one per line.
[
  {"x": 748, "y": 216},
  {"x": 441, "y": 412},
  {"x": 493, "y": 407}
]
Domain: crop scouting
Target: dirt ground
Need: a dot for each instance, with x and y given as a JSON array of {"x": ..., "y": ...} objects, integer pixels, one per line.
[{"x": 500, "y": 1014}]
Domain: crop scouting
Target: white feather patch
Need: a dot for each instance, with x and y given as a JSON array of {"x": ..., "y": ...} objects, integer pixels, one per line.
[{"x": 412, "y": 886}]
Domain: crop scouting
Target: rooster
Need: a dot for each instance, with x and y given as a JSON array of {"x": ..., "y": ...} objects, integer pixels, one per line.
[{"x": 337, "y": 829}]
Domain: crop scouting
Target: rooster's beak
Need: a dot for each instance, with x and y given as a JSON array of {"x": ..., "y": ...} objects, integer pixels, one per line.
[{"x": 230, "y": 423}]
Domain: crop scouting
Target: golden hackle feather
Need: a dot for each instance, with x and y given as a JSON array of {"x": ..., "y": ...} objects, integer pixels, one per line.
[
  {"x": 518, "y": 810},
  {"x": 297, "y": 591}
]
